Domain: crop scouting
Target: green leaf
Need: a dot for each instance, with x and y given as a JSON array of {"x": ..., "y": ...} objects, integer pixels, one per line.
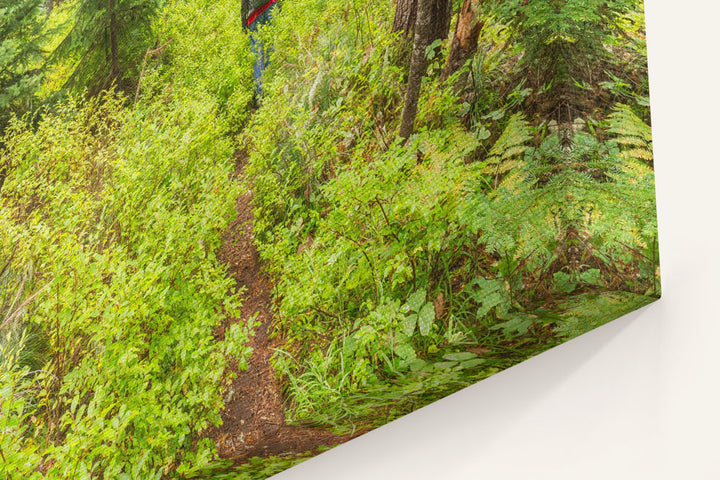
[
  {"x": 474, "y": 362},
  {"x": 488, "y": 293},
  {"x": 416, "y": 300},
  {"x": 138, "y": 467},
  {"x": 406, "y": 352},
  {"x": 459, "y": 356},
  {"x": 517, "y": 323},
  {"x": 430, "y": 49},
  {"x": 417, "y": 364},
  {"x": 444, "y": 365},
  {"x": 482, "y": 133},
  {"x": 591, "y": 276},
  {"x": 488, "y": 302},
  {"x": 409, "y": 324},
  {"x": 564, "y": 282},
  {"x": 426, "y": 317}
]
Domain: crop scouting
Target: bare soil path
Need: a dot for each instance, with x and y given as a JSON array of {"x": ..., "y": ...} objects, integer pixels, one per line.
[{"x": 254, "y": 419}]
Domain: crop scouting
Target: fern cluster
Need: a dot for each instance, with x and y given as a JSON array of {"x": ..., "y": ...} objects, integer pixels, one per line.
[{"x": 593, "y": 202}]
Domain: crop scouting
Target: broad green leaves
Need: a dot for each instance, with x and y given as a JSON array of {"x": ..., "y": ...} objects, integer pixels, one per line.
[
  {"x": 409, "y": 324},
  {"x": 391, "y": 252},
  {"x": 514, "y": 323},
  {"x": 488, "y": 294},
  {"x": 422, "y": 314},
  {"x": 21, "y": 457},
  {"x": 426, "y": 317},
  {"x": 401, "y": 271}
]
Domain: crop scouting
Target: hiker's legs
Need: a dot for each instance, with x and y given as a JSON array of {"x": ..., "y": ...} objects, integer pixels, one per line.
[
  {"x": 259, "y": 64},
  {"x": 262, "y": 59}
]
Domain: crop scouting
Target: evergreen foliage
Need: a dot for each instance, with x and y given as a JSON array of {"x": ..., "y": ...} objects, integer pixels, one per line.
[
  {"x": 21, "y": 23},
  {"x": 573, "y": 32},
  {"x": 106, "y": 41}
]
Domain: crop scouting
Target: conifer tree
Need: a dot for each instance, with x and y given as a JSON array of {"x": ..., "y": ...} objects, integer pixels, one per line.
[
  {"x": 405, "y": 14},
  {"x": 107, "y": 42},
  {"x": 21, "y": 23}
]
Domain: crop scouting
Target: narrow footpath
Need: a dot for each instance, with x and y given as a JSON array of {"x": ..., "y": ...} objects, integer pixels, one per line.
[{"x": 254, "y": 419}]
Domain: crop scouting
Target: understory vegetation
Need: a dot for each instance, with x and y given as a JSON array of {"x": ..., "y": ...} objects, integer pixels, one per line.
[
  {"x": 110, "y": 289},
  {"x": 518, "y": 214},
  {"x": 407, "y": 269}
]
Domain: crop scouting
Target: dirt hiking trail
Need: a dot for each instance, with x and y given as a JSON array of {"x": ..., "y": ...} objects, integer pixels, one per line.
[{"x": 254, "y": 418}]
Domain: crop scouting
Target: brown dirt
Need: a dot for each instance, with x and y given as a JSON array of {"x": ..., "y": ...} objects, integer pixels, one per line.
[{"x": 254, "y": 419}]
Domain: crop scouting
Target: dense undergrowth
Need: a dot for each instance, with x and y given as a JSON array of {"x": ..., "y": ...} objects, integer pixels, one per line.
[
  {"x": 112, "y": 215},
  {"x": 395, "y": 260},
  {"x": 520, "y": 214}
]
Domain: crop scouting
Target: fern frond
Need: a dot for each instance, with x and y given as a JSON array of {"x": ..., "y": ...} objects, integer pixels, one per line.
[
  {"x": 513, "y": 141},
  {"x": 632, "y": 134}
]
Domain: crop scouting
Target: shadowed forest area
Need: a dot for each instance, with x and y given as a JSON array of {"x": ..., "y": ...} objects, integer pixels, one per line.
[{"x": 214, "y": 267}]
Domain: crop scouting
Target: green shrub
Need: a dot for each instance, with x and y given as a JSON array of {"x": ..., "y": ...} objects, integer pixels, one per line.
[{"x": 121, "y": 216}]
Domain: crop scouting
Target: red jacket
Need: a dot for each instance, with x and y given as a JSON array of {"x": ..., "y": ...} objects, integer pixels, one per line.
[{"x": 251, "y": 9}]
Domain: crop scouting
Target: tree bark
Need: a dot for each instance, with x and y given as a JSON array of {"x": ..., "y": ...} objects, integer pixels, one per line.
[
  {"x": 406, "y": 17},
  {"x": 114, "y": 51},
  {"x": 441, "y": 19},
  {"x": 465, "y": 41},
  {"x": 244, "y": 12},
  {"x": 424, "y": 32}
]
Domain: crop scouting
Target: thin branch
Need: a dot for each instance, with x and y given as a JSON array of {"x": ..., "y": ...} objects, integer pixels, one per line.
[
  {"x": 315, "y": 332},
  {"x": 148, "y": 53},
  {"x": 11, "y": 316},
  {"x": 323, "y": 312}
]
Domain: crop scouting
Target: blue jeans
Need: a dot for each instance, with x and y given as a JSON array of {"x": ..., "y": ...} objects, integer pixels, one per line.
[{"x": 262, "y": 59}]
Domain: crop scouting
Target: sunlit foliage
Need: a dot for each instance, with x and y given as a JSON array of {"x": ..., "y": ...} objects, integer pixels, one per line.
[{"x": 520, "y": 213}]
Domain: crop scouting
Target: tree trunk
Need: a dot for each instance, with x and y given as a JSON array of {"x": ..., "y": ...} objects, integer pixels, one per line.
[
  {"x": 465, "y": 41},
  {"x": 114, "y": 52},
  {"x": 244, "y": 12},
  {"x": 406, "y": 17},
  {"x": 441, "y": 18},
  {"x": 425, "y": 28},
  {"x": 405, "y": 14}
]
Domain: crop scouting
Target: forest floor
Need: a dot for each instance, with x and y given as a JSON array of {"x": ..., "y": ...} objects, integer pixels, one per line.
[{"x": 254, "y": 416}]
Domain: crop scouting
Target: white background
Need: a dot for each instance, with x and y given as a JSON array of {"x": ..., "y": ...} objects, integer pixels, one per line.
[{"x": 638, "y": 398}]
